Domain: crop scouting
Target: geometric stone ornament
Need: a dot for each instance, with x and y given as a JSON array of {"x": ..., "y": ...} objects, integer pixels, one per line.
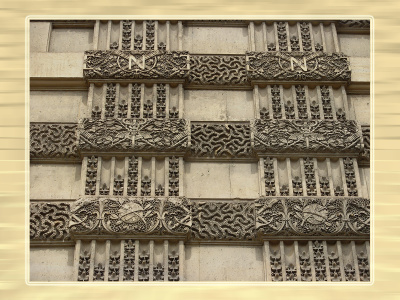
[
  {"x": 316, "y": 216},
  {"x": 121, "y": 135},
  {"x": 306, "y": 136},
  {"x": 53, "y": 141},
  {"x": 117, "y": 64},
  {"x": 223, "y": 221},
  {"x": 297, "y": 66},
  {"x": 49, "y": 221},
  {"x": 130, "y": 215}
]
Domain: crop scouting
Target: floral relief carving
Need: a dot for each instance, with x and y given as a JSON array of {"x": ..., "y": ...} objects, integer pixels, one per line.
[
  {"x": 312, "y": 216},
  {"x": 129, "y": 260},
  {"x": 319, "y": 261},
  {"x": 299, "y": 136},
  {"x": 297, "y": 66},
  {"x": 143, "y": 64},
  {"x": 173, "y": 266},
  {"x": 53, "y": 141}
]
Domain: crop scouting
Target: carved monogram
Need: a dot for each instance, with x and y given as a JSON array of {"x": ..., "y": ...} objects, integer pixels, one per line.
[
  {"x": 133, "y": 215},
  {"x": 146, "y": 64},
  {"x": 298, "y": 66},
  {"x": 223, "y": 221},
  {"x": 49, "y": 221},
  {"x": 312, "y": 216},
  {"x": 220, "y": 140},
  {"x": 133, "y": 134},
  {"x": 53, "y": 141},
  {"x": 311, "y": 136}
]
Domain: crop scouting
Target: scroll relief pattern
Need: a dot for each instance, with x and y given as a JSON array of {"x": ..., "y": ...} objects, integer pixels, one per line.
[
  {"x": 144, "y": 64},
  {"x": 297, "y": 66},
  {"x": 134, "y": 215},
  {"x": 223, "y": 221},
  {"x": 221, "y": 140},
  {"x": 53, "y": 141},
  {"x": 133, "y": 134},
  {"x": 49, "y": 221},
  {"x": 312, "y": 216},
  {"x": 218, "y": 70},
  {"x": 312, "y": 136}
]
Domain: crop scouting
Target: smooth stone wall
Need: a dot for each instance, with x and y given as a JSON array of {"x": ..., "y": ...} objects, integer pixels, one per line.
[{"x": 39, "y": 36}]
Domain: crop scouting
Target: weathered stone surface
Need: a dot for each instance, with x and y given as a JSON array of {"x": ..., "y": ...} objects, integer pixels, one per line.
[
  {"x": 133, "y": 134},
  {"x": 312, "y": 216},
  {"x": 118, "y": 64},
  {"x": 306, "y": 136},
  {"x": 53, "y": 141},
  {"x": 132, "y": 215},
  {"x": 297, "y": 66}
]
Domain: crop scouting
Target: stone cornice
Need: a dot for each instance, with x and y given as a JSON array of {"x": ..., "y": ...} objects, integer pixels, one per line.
[{"x": 178, "y": 217}]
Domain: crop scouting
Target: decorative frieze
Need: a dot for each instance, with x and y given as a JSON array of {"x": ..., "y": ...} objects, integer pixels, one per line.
[
  {"x": 145, "y": 64},
  {"x": 122, "y": 135},
  {"x": 297, "y": 66},
  {"x": 53, "y": 141},
  {"x": 362, "y": 24},
  {"x": 49, "y": 221},
  {"x": 136, "y": 215},
  {"x": 306, "y": 136},
  {"x": 220, "y": 140},
  {"x": 218, "y": 70},
  {"x": 312, "y": 216},
  {"x": 223, "y": 221}
]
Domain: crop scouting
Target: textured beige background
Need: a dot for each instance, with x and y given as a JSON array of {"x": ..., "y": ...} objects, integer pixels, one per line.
[{"x": 12, "y": 153}]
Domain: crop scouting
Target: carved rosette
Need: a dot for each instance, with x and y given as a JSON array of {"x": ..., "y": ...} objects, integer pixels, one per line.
[
  {"x": 133, "y": 215},
  {"x": 145, "y": 64},
  {"x": 51, "y": 140},
  {"x": 306, "y": 136},
  {"x": 312, "y": 216},
  {"x": 297, "y": 66},
  {"x": 122, "y": 135}
]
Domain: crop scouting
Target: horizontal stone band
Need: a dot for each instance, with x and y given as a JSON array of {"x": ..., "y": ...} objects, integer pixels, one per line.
[{"x": 211, "y": 220}]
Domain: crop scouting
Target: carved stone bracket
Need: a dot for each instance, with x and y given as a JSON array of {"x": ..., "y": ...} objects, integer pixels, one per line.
[
  {"x": 49, "y": 221},
  {"x": 130, "y": 215},
  {"x": 297, "y": 66},
  {"x": 306, "y": 136},
  {"x": 53, "y": 141},
  {"x": 121, "y": 135},
  {"x": 119, "y": 64},
  {"x": 312, "y": 216}
]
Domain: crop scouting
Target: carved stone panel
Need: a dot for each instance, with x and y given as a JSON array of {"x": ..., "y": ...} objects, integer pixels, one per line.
[
  {"x": 218, "y": 70},
  {"x": 133, "y": 134},
  {"x": 220, "y": 140},
  {"x": 306, "y": 136},
  {"x": 132, "y": 215},
  {"x": 53, "y": 141},
  {"x": 313, "y": 216},
  {"x": 118, "y": 64},
  {"x": 223, "y": 221},
  {"x": 365, "y": 155},
  {"x": 49, "y": 221},
  {"x": 297, "y": 66}
]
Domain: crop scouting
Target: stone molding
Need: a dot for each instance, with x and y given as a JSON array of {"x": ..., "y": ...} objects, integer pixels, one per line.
[
  {"x": 266, "y": 217},
  {"x": 200, "y": 140},
  {"x": 297, "y": 66},
  {"x": 226, "y": 70},
  {"x": 139, "y": 64},
  {"x": 306, "y": 136}
]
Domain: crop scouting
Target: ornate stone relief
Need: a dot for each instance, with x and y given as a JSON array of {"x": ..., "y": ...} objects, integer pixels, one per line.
[
  {"x": 129, "y": 260},
  {"x": 173, "y": 266},
  {"x": 135, "y": 100},
  {"x": 365, "y": 155},
  {"x": 144, "y": 266},
  {"x": 354, "y": 23},
  {"x": 110, "y": 100},
  {"x": 349, "y": 172},
  {"x": 312, "y": 216},
  {"x": 49, "y": 221},
  {"x": 136, "y": 215},
  {"x": 269, "y": 177},
  {"x": 276, "y": 266},
  {"x": 297, "y": 66},
  {"x": 363, "y": 266},
  {"x": 311, "y": 136},
  {"x": 113, "y": 266},
  {"x": 133, "y": 134},
  {"x": 309, "y": 172},
  {"x": 334, "y": 267},
  {"x": 53, "y": 141},
  {"x": 276, "y": 102},
  {"x": 143, "y": 64},
  {"x": 218, "y": 70},
  {"x": 161, "y": 98},
  {"x": 301, "y": 101},
  {"x": 126, "y": 34},
  {"x": 150, "y": 32},
  {"x": 91, "y": 175},
  {"x": 223, "y": 221},
  {"x": 173, "y": 174},
  {"x": 220, "y": 140},
  {"x": 305, "y": 267},
  {"x": 305, "y": 36},
  {"x": 319, "y": 261},
  {"x": 132, "y": 176},
  {"x": 282, "y": 36},
  {"x": 84, "y": 266},
  {"x": 326, "y": 102}
]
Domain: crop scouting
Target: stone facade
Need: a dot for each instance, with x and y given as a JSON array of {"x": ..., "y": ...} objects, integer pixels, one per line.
[{"x": 199, "y": 150}]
